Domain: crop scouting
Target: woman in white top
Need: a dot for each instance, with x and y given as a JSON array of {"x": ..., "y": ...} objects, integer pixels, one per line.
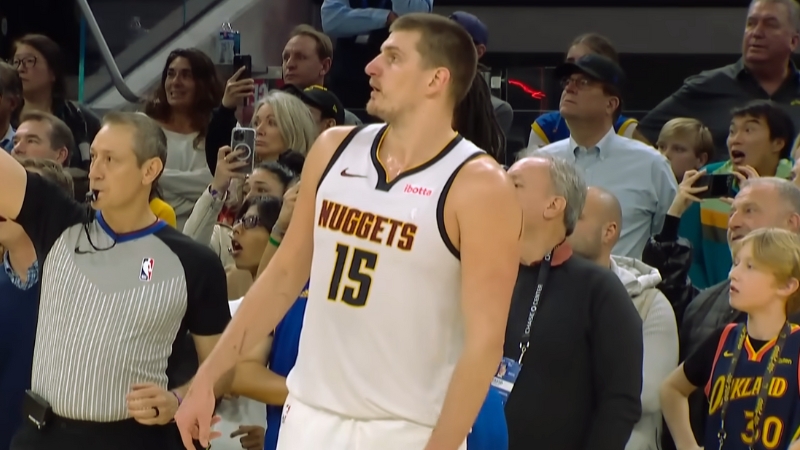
[
  {"x": 285, "y": 130},
  {"x": 182, "y": 104}
]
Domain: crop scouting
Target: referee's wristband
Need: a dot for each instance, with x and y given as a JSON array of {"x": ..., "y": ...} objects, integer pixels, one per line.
[{"x": 274, "y": 241}]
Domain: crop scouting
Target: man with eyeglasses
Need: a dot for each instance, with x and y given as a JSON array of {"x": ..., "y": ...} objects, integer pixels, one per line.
[
  {"x": 638, "y": 175},
  {"x": 10, "y": 101}
]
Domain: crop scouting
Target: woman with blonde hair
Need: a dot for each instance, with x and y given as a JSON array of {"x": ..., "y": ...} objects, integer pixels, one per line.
[
  {"x": 749, "y": 370},
  {"x": 285, "y": 131}
]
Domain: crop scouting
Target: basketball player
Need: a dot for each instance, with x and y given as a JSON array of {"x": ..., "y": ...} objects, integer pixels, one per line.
[{"x": 410, "y": 234}]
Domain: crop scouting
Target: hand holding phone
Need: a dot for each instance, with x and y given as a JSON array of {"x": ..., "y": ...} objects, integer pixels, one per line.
[
  {"x": 719, "y": 185},
  {"x": 238, "y": 88},
  {"x": 244, "y": 63}
]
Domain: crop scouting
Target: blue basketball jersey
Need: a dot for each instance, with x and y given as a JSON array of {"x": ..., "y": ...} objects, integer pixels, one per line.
[
  {"x": 551, "y": 127},
  {"x": 780, "y": 420}
]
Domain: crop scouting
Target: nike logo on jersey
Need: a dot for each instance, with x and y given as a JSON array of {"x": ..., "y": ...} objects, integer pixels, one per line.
[
  {"x": 345, "y": 173},
  {"x": 728, "y": 354}
]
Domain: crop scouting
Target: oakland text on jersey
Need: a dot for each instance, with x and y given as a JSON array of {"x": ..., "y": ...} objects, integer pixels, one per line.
[
  {"x": 366, "y": 225},
  {"x": 745, "y": 387}
]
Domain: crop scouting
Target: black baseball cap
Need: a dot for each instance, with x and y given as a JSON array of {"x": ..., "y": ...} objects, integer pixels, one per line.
[
  {"x": 321, "y": 98},
  {"x": 595, "y": 66}
]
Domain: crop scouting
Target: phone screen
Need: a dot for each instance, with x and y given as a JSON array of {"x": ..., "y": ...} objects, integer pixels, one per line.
[
  {"x": 245, "y": 61},
  {"x": 719, "y": 185}
]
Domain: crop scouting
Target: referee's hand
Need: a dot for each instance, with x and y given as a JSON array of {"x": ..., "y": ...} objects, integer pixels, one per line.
[{"x": 150, "y": 404}]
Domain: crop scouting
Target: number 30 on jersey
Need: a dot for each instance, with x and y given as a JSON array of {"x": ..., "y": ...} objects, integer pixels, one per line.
[{"x": 358, "y": 266}]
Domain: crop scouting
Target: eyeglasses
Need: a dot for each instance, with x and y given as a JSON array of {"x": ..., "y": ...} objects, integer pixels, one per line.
[
  {"x": 26, "y": 61},
  {"x": 580, "y": 83},
  {"x": 248, "y": 222}
]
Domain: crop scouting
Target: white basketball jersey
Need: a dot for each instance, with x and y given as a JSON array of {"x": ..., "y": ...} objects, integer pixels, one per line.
[{"x": 383, "y": 327}]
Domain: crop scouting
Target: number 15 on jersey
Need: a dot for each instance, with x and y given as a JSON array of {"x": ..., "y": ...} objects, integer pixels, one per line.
[{"x": 358, "y": 265}]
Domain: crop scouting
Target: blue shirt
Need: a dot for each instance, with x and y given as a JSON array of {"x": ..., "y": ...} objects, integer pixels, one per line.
[
  {"x": 488, "y": 433},
  {"x": 7, "y": 141},
  {"x": 639, "y": 176},
  {"x": 339, "y": 20},
  {"x": 19, "y": 310}
]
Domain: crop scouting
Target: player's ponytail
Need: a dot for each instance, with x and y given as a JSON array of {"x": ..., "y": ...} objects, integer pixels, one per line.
[{"x": 475, "y": 119}]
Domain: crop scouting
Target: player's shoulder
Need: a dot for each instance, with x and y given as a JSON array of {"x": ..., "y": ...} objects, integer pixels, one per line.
[
  {"x": 194, "y": 257},
  {"x": 480, "y": 175}
]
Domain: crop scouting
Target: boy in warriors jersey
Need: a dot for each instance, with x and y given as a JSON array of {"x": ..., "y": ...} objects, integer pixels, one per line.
[
  {"x": 749, "y": 370},
  {"x": 410, "y": 234}
]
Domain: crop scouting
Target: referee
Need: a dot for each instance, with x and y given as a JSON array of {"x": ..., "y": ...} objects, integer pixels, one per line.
[{"x": 118, "y": 286}]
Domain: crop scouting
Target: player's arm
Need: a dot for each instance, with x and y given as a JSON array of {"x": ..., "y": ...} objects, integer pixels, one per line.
[
  {"x": 15, "y": 180},
  {"x": 488, "y": 221},
  {"x": 675, "y": 405},
  {"x": 278, "y": 286}
]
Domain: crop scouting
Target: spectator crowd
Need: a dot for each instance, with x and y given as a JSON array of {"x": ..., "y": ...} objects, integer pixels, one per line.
[{"x": 656, "y": 297}]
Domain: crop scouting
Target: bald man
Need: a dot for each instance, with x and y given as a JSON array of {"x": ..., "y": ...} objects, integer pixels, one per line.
[{"x": 596, "y": 233}]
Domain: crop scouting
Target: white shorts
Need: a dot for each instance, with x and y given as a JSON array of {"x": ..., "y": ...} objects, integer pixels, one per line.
[{"x": 306, "y": 428}]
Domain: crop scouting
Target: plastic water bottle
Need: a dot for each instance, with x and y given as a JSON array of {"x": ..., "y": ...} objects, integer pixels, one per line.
[{"x": 226, "y": 44}]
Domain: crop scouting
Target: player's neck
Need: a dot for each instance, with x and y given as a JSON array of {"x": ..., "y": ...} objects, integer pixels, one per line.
[
  {"x": 536, "y": 243},
  {"x": 588, "y": 133},
  {"x": 766, "y": 323},
  {"x": 130, "y": 218},
  {"x": 418, "y": 137}
]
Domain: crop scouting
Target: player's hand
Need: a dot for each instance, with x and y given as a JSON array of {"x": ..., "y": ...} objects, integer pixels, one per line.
[
  {"x": 227, "y": 165},
  {"x": 236, "y": 90},
  {"x": 744, "y": 173},
  {"x": 687, "y": 193},
  {"x": 149, "y": 404},
  {"x": 287, "y": 209},
  {"x": 194, "y": 417},
  {"x": 252, "y": 437}
]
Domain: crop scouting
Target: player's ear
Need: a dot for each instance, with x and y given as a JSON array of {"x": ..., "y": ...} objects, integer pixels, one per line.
[
  {"x": 555, "y": 207},
  {"x": 440, "y": 79}
]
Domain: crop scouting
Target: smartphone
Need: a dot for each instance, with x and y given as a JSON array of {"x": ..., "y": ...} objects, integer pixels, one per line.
[
  {"x": 245, "y": 61},
  {"x": 244, "y": 140},
  {"x": 719, "y": 185}
]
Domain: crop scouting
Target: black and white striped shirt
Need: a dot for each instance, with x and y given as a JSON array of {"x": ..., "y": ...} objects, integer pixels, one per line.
[{"x": 108, "y": 318}]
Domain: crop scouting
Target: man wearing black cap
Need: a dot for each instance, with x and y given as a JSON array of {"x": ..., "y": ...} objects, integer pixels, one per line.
[
  {"x": 638, "y": 175},
  {"x": 480, "y": 36},
  {"x": 324, "y": 105}
]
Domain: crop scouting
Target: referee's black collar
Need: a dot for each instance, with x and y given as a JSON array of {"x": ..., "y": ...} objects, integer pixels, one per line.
[{"x": 131, "y": 236}]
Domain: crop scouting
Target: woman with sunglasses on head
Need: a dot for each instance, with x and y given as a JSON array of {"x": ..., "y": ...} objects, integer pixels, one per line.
[
  {"x": 40, "y": 64},
  {"x": 212, "y": 218},
  {"x": 243, "y": 419},
  {"x": 749, "y": 370}
]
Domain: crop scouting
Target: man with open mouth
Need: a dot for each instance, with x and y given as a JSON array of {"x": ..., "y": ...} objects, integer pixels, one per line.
[{"x": 759, "y": 142}]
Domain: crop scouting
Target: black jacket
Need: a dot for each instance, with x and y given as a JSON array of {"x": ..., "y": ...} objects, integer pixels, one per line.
[
  {"x": 581, "y": 378},
  {"x": 672, "y": 256}
]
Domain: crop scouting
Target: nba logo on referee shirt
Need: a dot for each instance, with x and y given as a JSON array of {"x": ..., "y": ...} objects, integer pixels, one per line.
[{"x": 146, "y": 274}]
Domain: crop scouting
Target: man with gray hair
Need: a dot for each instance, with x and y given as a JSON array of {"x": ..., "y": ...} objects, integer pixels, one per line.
[
  {"x": 572, "y": 366},
  {"x": 765, "y": 71},
  {"x": 118, "y": 287},
  {"x": 761, "y": 203}
]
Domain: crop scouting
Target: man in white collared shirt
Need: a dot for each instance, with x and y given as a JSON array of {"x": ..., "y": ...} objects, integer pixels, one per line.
[{"x": 638, "y": 175}]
